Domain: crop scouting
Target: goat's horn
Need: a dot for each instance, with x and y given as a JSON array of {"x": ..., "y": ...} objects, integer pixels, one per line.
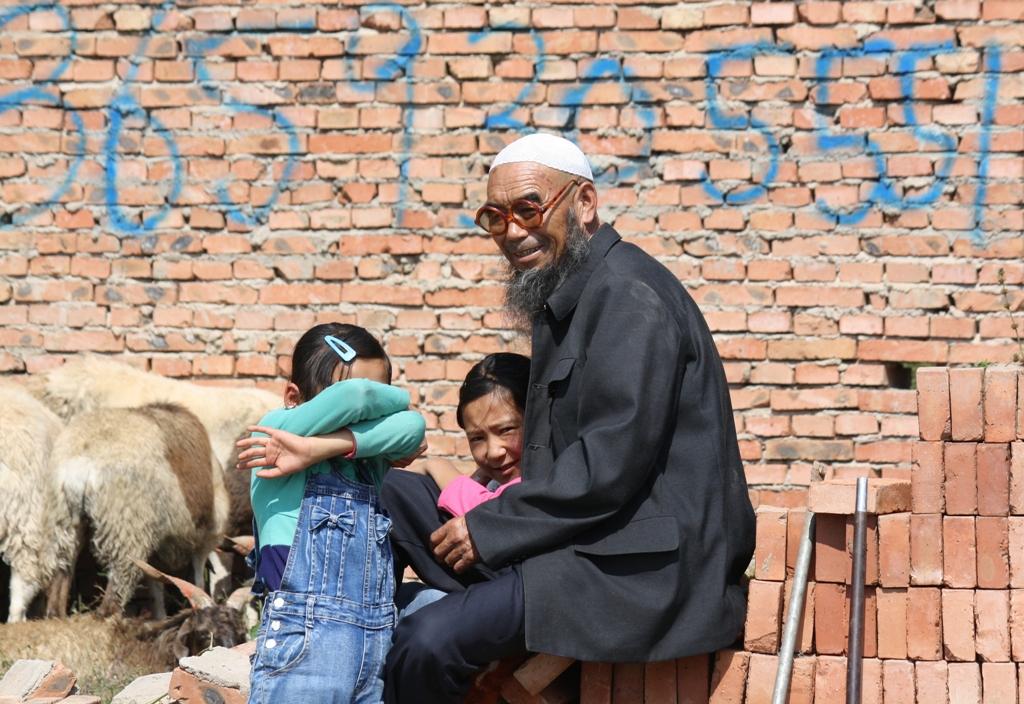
[
  {"x": 243, "y": 544},
  {"x": 196, "y": 596},
  {"x": 239, "y": 598}
]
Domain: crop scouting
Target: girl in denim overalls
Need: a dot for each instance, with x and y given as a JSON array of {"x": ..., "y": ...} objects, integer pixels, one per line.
[{"x": 322, "y": 554}]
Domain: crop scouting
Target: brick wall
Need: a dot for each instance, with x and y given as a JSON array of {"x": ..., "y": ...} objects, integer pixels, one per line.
[{"x": 191, "y": 185}]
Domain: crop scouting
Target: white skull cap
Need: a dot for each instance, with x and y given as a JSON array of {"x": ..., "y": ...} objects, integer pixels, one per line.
[{"x": 547, "y": 150}]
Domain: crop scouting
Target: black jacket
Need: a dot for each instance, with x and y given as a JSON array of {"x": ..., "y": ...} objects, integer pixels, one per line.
[{"x": 632, "y": 521}]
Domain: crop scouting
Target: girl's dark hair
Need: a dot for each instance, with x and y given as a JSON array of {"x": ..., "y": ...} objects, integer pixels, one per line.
[
  {"x": 314, "y": 361},
  {"x": 503, "y": 372}
]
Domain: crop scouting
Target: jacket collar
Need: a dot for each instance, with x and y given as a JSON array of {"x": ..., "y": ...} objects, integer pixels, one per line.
[{"x": 566, "y": 296}]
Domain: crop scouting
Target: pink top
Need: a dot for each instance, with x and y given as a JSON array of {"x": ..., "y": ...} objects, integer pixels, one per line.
[{"x": 463, "y": 494}]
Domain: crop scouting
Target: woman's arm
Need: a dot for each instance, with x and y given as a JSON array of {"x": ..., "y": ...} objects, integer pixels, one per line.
[
  {"x": 441, "y": 471},
  {"x": 283, "y": 453}
]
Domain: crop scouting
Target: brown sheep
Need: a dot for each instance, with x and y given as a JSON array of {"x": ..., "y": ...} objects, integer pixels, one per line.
[
  {"x": 148, "y": 483},
  {"x": 92, "y": 646}
]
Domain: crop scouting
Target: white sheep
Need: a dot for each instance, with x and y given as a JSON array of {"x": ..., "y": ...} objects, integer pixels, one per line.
[
  {"x": 148, "y": 483},
  {"x": 86, "y": 383},
  {"x": 33, "y": 524}
]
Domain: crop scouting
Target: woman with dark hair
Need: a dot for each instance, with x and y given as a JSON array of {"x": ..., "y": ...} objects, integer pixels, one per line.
[{"x": 421, "y": 499}]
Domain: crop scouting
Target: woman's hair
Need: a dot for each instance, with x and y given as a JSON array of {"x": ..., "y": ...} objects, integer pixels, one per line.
[
  {"x": 502, "y": 373},
  {"x": 314, "y": 361}
]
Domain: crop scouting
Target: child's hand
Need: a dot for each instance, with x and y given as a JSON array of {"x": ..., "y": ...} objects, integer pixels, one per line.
[
  {"x": 282, "y": 453},
  {"x": 406, "y": 461}
]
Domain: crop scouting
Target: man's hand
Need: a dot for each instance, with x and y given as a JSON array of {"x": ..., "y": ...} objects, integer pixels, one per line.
[{"x": 454, "y": 546}]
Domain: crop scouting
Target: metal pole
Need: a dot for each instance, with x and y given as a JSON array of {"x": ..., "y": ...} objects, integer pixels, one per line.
[
  {"x": 855, "y": 651},
  {"x": 796, "y": 600}
]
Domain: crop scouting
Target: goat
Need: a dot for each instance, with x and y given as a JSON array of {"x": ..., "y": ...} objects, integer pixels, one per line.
[
  {"x": 87, "y": 383},
  {"x": 29, "y": 512},
  {"x": 93, "y": 646},
  {"x": 147, "y": 481}
]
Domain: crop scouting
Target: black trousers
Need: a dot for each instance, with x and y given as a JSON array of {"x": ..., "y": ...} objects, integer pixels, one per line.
[{"x": 438, "y": 648}]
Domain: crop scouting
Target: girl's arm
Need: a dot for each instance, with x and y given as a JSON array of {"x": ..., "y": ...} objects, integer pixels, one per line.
[
  {"x": 284, "y": 453},
  {"x": 281, "y": 453},
  {"x": 441, "y": 471},
  {"x": 342, "y": 404},
  {"x": 391, "y": 437}
]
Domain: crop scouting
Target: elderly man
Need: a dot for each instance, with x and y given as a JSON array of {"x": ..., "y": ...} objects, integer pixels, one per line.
[{"x": 632, "y": 527}]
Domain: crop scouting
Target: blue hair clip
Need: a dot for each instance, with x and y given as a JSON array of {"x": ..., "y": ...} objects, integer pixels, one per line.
[{"x": 343, "y": 349}]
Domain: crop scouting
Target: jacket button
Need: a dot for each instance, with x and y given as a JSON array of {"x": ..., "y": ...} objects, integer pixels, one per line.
[
  {"x": 275, "y": 626},
  {"x": 271, "y": 644},
  {"x": 278, "y": 602}
]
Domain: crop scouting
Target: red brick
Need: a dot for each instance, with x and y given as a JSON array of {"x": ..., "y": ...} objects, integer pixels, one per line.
[
  {"x": 992, "y": 624},
  {"x": 659, "y": 680},
  {"x": 960, "y": 486},
  {"x": 692, "y": 680},
  {"x": 933, "y": 403},
  {"x": 831, "y": 618},
  {"x": 839, "y": 496},
  {"x": 924, "y": 623},
  {"x": 805, "y": 632},
  {"x": 898, "y": 682},
  {"x": 760, "y": 679},
  {"x": 764, "y": 617},
  {"x": 931, "y": 682},
  {"x": 596, "y": 683},
  {"x": 964, "y": 683},
  {"x": 729, "y": 677},
  {"x": 770, "y": 551},
  {"x": 928, "y": 478},
  {"x": 186, "y": 687},
  {"x": 894, "y": 550},
  {"x": 1000, "y": 405},
  {"x": 1017, "y": 624},
  {"x": 1015, "y": 541},
  {"x": 965, "y": 394},
  {"x": 892, "y": 623},
  {"x": 993, "y": 552},
  {"x": 959, "y": 565},
  {"x": 830, "y": 680},
  {"x": 999, "y": 682},
  {"x": 831, "y": 552},
  {"x": 993, "y": 469},
  {"x": 1017, "y": 478},
  {"x": 958, "y": 625}
]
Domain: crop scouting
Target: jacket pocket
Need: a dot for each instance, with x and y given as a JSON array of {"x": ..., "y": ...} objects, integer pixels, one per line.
[{"x": 650, "y": 535}]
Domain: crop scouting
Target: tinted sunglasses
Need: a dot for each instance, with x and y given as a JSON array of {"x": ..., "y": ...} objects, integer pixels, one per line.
[{"x": 527, "y": 214}]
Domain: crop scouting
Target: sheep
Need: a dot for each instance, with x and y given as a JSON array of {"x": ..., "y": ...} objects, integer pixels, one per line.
[
  {"x": 30, "y": 514},
  {"x": 147, "y": 481},
  {"x": 86, "y": 383},
  {"x": 92, "y": 646}
]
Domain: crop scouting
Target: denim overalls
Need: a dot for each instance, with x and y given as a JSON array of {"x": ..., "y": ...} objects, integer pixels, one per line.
[{"x": 324, "y": 635}]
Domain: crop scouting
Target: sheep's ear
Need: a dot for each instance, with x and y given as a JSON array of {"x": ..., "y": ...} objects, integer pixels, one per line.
[
  {"x": 239, "y": 598},
  {"x": 196, "y": 596},
  {"x": 243, "y": 544}
]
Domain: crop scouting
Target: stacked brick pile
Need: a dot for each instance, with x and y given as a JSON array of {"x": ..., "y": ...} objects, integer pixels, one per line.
[
  {"x": 190, "y": 185},
  {"x": 944, "y": 613}
]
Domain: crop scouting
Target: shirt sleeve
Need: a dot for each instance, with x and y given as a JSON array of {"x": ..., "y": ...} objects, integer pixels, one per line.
[
  {"x": 463, "y": 494},
  {"x": 625, "y": 410},
  {"x": 391, "y": 437},
  {"x": 339, "y": 406}
]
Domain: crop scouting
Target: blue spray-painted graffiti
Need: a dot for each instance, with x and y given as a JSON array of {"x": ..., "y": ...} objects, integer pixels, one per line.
[{"x": 724, "y": 112}]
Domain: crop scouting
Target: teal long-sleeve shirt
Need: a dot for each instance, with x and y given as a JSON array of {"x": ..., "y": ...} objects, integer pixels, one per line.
[{"x": 383, "y": 430}]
